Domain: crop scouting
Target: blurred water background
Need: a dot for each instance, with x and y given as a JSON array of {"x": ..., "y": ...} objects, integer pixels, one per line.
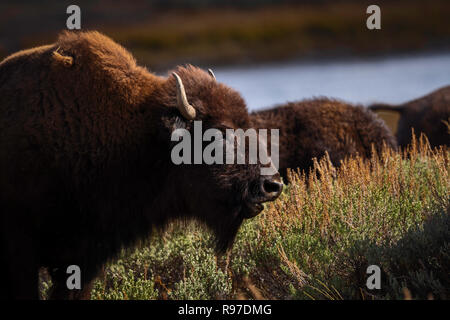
[{"x": 389, "y": 79}]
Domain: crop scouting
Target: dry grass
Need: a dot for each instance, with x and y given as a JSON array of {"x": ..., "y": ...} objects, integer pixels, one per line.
[{"x": 363, "y": 203}]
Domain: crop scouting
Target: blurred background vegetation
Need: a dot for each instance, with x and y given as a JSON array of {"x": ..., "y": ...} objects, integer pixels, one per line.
[{"x": 163, "y": 33}]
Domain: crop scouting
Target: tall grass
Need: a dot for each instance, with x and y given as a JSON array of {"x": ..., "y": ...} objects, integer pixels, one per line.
[{"x": 315, "y": 241}]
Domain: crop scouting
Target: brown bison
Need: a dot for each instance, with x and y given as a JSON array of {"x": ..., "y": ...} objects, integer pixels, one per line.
[
  {"x": 429, "y": 115},
  {"x": 311, "y": 127},
  {"x": 85, "y": 165}
]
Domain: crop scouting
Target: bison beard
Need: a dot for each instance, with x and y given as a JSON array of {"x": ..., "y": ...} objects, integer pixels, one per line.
[
  {"x": 85, "y": 164},
  {"x": 226, "y": 233},
  {"x": 226, "y": 230}
]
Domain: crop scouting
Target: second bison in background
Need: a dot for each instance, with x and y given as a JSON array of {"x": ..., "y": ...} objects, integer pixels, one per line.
[
  {"x": 429, "y": 115},
  {"x": 311, "y": 127}
]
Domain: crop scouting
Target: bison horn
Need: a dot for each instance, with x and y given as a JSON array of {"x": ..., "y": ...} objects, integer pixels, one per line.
[
  {"x": 211, "y": 73},
  {"x": 183, "y": 105}
]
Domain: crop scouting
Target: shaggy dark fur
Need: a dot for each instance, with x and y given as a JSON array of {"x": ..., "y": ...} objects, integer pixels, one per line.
[
  {"x": 429, "y": 115},
  {"x": 85, "y": 164},
  {"x": 311, "y": 127}
]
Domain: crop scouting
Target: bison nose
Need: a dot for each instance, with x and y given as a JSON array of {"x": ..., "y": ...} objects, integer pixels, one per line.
[{"x": 271, "y": 187}]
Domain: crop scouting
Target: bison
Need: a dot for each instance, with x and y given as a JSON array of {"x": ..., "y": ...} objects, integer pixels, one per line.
[
  {"x": 429, "y": 115},
  {"x": 309, "y": 128},
  {"x": 85, "y": 166}
]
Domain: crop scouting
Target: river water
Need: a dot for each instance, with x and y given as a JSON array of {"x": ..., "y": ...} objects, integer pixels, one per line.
[{"x": 390, "y": 80}]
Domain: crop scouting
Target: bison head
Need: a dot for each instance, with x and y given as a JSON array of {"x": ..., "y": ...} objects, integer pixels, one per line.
[{"x": 219, "y": 195}]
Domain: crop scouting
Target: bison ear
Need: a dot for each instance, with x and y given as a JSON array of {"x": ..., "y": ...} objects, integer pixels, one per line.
[
  {"x": 169, "y": 124},
  {"x": 175, "y": 123},
  {"x": 64, "y": 60}
]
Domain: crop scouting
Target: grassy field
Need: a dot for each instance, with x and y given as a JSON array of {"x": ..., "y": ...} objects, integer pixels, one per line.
[{"x": 314, "y": 242}]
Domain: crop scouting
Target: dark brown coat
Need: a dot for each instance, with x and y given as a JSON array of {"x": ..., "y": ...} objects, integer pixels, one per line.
[
  {"x": 85, "y": 165},
  {"x": 429, "y": 115},
  {"x": 309, "y": 128}
]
